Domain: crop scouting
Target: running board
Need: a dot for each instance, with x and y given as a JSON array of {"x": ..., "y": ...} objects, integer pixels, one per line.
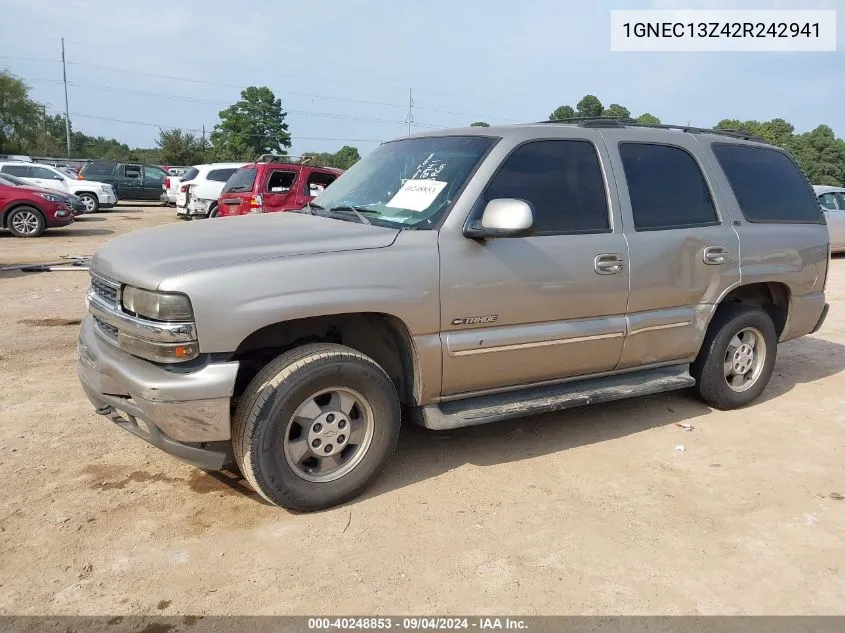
[{"x": 531, "y": 401}]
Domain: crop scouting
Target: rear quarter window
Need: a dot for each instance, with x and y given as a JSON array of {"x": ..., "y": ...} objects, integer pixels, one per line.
[
  {"x": 190, "y": 174},
  {"x": 221, "y": 175},
  {"x": 768, "y": 185}
]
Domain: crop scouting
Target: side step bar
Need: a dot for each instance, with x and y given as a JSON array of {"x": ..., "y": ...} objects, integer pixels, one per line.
[{"x": 531, "y": 401}]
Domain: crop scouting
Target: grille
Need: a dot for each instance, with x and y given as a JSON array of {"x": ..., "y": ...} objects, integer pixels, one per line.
[
  {"x": 105, "y": 327},
  {"x": 105, "y": 290}
]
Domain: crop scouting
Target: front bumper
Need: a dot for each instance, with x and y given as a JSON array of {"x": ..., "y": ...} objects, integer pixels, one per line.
[
  {"x": 178, "y": 408},
  {"x": 107, "y": 200}
]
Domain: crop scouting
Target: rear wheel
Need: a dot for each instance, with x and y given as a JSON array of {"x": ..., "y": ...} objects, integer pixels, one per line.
[
  {"x": 316, "y": 426},
  {"x": 92, "y": 203},
  {"x": 737, "y": 358},
  {"x": 25, "y": 222},
  {"x": 212, "y": 212}
]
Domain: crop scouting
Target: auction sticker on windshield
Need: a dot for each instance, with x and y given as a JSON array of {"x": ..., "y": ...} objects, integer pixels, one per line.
[{"x": 417, "y": 195}]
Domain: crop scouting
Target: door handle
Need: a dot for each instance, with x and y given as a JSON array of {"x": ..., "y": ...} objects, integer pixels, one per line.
[
  {"x": 715, "y": 255},
  {"x": 608, "y": 264}
]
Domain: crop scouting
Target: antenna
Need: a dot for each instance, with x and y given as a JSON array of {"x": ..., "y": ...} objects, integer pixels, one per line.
[
  {"x": 67, "y": 114},
  {"x": 410, "y": 118}
]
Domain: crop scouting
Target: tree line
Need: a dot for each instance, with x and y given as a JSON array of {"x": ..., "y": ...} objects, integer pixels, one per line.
[{"x": 257, "y": 125}]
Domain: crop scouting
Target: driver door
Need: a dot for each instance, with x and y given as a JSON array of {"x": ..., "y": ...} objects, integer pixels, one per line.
[{"x": 522, "y": 310}]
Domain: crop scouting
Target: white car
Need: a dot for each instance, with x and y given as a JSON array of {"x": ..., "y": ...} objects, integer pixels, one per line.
[
  {"x": 832, "y": 200},
  {"x": 95, "y": 195},
  {"x": 200, "y": 188}
]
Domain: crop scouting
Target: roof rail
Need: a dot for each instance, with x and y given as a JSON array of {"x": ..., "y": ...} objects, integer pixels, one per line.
[
  {"x": 277, "y": 158},
  {"x": 618, "y": 122}
]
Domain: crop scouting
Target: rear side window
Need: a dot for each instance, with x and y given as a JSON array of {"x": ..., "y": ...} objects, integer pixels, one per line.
[
  {"x": 666, "y": 187},
  {"x": 829, "y": 201},
  {"x": 767, "y": 184},
  {"x": 281, "y": 181},
  {"x": 220, "y": 175},
  {"x": 190, "y": 174},
  {"x": 563, "y": 182},
  {"x": 241, "y": 180},
  {"x": 21, "y": 171},
  {"x": 132, "y": 171},
  {"x": 98, "y": 169}
]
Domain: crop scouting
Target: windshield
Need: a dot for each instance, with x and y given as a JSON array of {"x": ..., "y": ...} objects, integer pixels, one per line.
[
  {"x": 410, "y": 182},
  {"x": 241, "y": 180},
  {"x": 6, "y": 179}
]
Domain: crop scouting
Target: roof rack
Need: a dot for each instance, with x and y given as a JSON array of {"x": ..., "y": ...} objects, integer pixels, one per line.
[
  {"x": 277, "y": 158},
  {"x": 618, "y": 122}
]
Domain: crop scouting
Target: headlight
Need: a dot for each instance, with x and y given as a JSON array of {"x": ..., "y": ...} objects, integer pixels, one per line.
[
  {"x": 158, "y": 306},
  {"x": 51, "y": 197},
  {"x": 105, "y": 188}
]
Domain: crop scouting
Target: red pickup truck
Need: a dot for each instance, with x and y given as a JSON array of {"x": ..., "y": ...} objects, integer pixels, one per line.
[{"x": 269, "y": 185}]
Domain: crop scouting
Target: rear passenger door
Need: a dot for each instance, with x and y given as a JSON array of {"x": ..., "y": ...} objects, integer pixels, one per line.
[
  {"x": 153, "y": 182},
  {"x": 278, "y": 192},
  {"x": 833, "y": 204},
  {"x": 131, "y": 180},
  {"x": 684, "y": 253}
]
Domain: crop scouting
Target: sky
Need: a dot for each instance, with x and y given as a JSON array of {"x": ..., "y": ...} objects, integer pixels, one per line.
[{"x": 343, "y": 68}]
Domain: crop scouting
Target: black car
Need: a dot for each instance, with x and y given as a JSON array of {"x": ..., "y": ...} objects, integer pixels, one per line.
[{"x": 131, "y": 181}]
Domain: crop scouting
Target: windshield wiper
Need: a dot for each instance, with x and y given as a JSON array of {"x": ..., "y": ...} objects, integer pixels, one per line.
[{"x": 351, "y": 209}]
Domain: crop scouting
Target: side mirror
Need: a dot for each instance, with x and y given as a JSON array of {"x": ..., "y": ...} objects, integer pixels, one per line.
[{"x": 503, "y": 217}]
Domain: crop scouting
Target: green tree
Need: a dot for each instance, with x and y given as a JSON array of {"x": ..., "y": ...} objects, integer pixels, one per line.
[
  {"x": 617, "y": 111},
  {"x": 181, "y": 148},
  {"x": 344, "y": 158},
  {"x": 480, "y": 124},
  {"x": 561, "y": 113},
  {"x": 589, "y": 106},
  {"x": 19, "y": 115},
  {"x": 253, "y": 126},
  {"x": 648, "y": 119}
]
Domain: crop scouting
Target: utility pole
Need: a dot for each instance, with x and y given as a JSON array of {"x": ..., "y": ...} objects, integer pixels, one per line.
[
  {"x": 410, "y": 118},
  {"x": 67, "y": 108},
  {"x": 44, "y": 120}
]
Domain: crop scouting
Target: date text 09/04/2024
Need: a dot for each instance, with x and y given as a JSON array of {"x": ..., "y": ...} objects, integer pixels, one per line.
[
  {"x": 720, "y": 29},
  {"x": 417, "y": 624}
]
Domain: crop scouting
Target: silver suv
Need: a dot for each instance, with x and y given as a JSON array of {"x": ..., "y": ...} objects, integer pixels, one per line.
[{"x": 461, "y": 277}]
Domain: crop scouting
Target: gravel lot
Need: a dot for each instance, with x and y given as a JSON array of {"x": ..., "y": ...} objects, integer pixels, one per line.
[{"x": 588, "y": 512}]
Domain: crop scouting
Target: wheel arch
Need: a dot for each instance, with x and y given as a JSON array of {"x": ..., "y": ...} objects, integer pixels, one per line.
[
  {"x": 774, "y": 297},
  {"x": 383, "y": 337},
  {"x": 4, "y": 214}
]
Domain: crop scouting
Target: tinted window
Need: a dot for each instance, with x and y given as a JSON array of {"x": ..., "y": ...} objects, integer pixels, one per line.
[
  {"x": 22, "y": 171},
  {"x": 190, "y": 174},
  {"x": 563, "y": 182},
  {"x": 666, "y": 188},
  {"x": 221, "y": 175},
  {"x": 828, "y": 201},
  {"x": 767, "y": 184},
  {"x": 98, "y": 169},
  {"x": 241, "y": 180},
  {"x": 281, "y": 181}
]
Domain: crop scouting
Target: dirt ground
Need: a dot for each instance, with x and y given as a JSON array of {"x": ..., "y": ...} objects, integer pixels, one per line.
[{"x": 593, "y": 511}]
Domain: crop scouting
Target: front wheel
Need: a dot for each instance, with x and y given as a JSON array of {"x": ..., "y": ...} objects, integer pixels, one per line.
[
  {"x": 316, "y": 426},
  {"x": 92, "y": 204},
  {"x": 737, "y": 358},
  {"x": 26, "y": 222}
]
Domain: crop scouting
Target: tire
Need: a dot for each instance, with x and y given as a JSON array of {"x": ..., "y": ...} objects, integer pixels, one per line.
[
  {"x": 25, "y": 221},
  {"x": 714, "y": 371},
  {"x": 268, "y": 440},
  {"x": 92, "y": 203},
  {"x": 212, "y": 212}
]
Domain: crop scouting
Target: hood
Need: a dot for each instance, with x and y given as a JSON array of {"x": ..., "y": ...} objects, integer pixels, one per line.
[
  {"x": 93, "y": 184},
  {"x": 37, "y": 189},
  {"x": 149, "y": 256}
]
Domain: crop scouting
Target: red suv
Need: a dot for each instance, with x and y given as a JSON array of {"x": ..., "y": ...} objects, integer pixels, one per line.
[
  {"x": 269, "y": 185},
  {"x": 27, "y": 211}
]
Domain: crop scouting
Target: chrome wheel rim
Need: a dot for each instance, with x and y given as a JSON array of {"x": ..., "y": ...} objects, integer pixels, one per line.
[
  {"x": 744, "y": 359},
  {"x": 89, "y": 203},
  {"x": 328, "y": 434},
  {"x": 25, "y": 222}
]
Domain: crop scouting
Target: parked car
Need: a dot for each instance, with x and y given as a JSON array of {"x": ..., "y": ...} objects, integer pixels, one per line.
[
  {"x": 130, "y": 181},
  {"x": 170, "y": 190},
  {"x": 95, "y": 195},
  {"x": 27, "y": 211},
  {"x": 466, "y": 276},
  {"x": 76, "y": 203},
  {"x": 832, "y": 200},
  {"x": 269, "y": 185},
  {"x": 201, "y": 187},
  {"x": 17, "y": 158}
]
